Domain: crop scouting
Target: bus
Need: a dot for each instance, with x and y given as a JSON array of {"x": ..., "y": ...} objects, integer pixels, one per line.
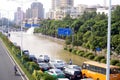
[{"x": 97, "y": 71}]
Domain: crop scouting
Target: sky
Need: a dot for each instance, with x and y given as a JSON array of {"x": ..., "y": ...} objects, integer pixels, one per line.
[{"x": 8, "y": 7}]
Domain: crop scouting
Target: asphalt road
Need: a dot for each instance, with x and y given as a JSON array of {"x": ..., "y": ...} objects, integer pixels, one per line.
[{"x": 7, "y": 66}]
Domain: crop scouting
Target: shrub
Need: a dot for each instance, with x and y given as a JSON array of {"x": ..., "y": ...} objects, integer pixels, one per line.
[
  {"x": 25, "y": 58},
  {"x": 74, "y": 51},
  {"x": 81, "y": 53},
  {"x": 118, "y": 64},
  {"x": 87, "y": 54},
  {"x": 114, "y": 62},
  {"x": 103, "y": 60},
  {"x": 32, "y": 66},
  {"x": 37, "y": 74},
  {"x": 70, "y": 49},
  {"x": 98, "y": 58},
  {"x": 91, "y": 57},
  {"x": 77, "y": 52},
  {"x": 65, "y": 48}
]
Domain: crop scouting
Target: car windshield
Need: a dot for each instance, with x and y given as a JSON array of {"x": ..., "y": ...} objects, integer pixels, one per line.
[
  {"x": 26, "y": 51},
  {"x": 59, "y": 72},
  {"x": 76, "y": 67},
  {"x": 77, "y": 72},
  {"x": 43, "y": 65},
  {"x": 59, "y": 61},
  {"x": 57, "y": 65}
]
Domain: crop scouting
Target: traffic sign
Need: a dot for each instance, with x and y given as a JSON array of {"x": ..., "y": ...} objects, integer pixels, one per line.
[
  {"x": 64, "y": 31},
  {"x": 98, "y": 49}
]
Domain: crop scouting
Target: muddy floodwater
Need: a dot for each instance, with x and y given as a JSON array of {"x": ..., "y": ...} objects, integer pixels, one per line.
[{"x": 39, "y": 45}]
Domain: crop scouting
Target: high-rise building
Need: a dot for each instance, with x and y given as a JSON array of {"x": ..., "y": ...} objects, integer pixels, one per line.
[
  {"x": 62, "y": 3},
  {"x": 55, "y": 4},
  {"x": 18, "y": 16},
  {"x": 37, "y": 10},
  {"x": 28, "y": 13},
  {"x": 66, "y": 3}
]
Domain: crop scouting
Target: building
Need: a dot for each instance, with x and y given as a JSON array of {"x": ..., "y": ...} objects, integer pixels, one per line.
[
  {"x": 28, "y": 13},
  {"x": 35, "y": 13},
  {"x": 61, "y": 4},
  {"x": 60, "y": 8},
  {"x": 18, "y": 16},
  {"x": 66, "y": 3},
  {"x": 37, "y": 10},
  {"x": 55, "y": 4}
]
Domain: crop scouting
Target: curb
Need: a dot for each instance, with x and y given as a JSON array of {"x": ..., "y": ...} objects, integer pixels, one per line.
[{"x": 23, "y": 76}]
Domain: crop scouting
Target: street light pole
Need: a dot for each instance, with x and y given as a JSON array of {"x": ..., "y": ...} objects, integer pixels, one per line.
[
  {"x": 8, "y": 22},
  {"x": 21, "y": 14},
  {"x": 108, "y": 43}
]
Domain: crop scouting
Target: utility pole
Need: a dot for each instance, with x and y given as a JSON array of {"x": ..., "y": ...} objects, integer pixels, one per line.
[{"x": 108, "y": 43}]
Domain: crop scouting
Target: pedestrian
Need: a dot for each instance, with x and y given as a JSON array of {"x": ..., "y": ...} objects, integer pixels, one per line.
[
  {"x": 15, "y": 69},
  {"x": 70, "y": 62}
]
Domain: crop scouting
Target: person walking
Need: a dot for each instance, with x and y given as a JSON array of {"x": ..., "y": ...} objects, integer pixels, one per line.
[
  {"x": 15, "y": 69},
  {"x": 70, "y": 62}
]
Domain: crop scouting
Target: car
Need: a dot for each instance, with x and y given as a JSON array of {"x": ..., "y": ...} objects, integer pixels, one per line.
[
  {"x": 40, "y": 60},
  {"x": 56, "y": 73},
  {"x": 44, "y": 66},
  {"x": 73, "y": 74},
  {"x": 62, "y": 79},
  {"x": 73, "y": 67},
  {"x": 32, "y": 58},
  {"x": 56, "y": 66},
  {"x": 45, "y": 58},
  {"x": 87, "y": 79},
  {"x": 61, "y": 62},
  {"x": 26, "y": 52}
]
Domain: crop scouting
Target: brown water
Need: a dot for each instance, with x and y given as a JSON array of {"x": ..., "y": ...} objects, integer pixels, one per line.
[{"x": 39, "y": 45}]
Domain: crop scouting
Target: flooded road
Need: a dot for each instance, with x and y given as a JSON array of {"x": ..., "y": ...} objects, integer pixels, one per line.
[{"x": 38, "y": 45}]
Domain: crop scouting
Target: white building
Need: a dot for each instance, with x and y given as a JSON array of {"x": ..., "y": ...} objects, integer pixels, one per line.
[
  {"x": 18, "y": 16},
  {"x": 102, "y": 10}
]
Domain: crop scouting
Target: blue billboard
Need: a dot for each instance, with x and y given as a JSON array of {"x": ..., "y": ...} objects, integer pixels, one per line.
[
  {"x": 27, "y": 25},
  {"x": 64, "y": 31},
  {"x": 31, "y": 25}
]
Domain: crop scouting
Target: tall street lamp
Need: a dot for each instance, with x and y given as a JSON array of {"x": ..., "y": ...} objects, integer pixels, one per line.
[{"x": 108, "y": 43}]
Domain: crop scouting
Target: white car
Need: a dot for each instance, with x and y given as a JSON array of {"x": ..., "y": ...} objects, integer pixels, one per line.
[
  {"x": 61, "y": 62},
  {"x": 73, "y": 67},
  {"x": 45, "y": 58}
]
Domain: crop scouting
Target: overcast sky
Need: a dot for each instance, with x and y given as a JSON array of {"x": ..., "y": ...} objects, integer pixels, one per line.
[{"x": 11, "y": 5}]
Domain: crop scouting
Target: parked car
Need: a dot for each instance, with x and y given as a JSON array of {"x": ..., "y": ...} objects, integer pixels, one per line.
[
  {"x": 40, "y": 60},
  {"x": 56, "y": 66},
  {"x": 62, "y": 79},
  {"x": 61, "y": 62},
  {"x": 44, "y": 66},
  {"x": 26, "y": 52},
  {"x": 45, "y": 58},
  {"x": 33, "y": 58},
  {"x": 73, "y": 74},
  {"x": 73, "y": 67},
  {"x": 57, "y": 73},
  {"x": 87, "y": 79}
]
